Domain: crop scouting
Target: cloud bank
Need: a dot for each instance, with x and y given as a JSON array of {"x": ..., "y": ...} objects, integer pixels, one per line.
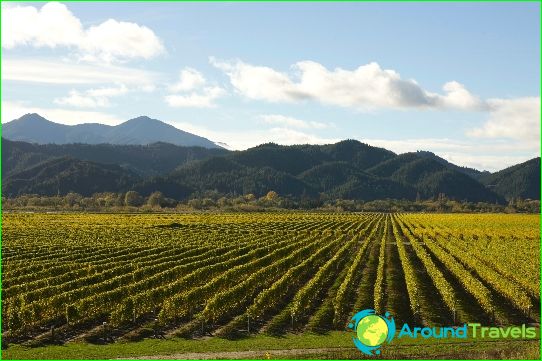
[
  {"x": 516, "y": 119},
  {"x": 367, "y": 87},
  {"x": 54, "y": 26},
  {"x": 92, "y": 98},
  {"x": 286, "y": 121}
]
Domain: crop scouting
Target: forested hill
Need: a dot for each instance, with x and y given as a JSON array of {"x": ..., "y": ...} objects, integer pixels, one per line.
[
  {"x": 345, "y": 170},
  {"x": 519, "y": 181},
  {"x": 145, "y": 160}
]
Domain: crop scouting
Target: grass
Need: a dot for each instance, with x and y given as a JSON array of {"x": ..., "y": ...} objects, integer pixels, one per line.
[{"x": 334, "y": 345}]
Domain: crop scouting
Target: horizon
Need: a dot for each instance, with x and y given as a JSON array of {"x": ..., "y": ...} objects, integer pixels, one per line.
[{"x": 470, "y": 96}]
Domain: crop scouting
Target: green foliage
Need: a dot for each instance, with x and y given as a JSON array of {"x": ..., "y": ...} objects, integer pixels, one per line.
[
  {"x": 277, "y": 271},
  {"x": 64, "y": 175},
  {"x": 156, "y": 199},
  {"x": 132, "y": 199},
  {"x": 519, "y": 181},
  {"x": 145, "y": 160}
]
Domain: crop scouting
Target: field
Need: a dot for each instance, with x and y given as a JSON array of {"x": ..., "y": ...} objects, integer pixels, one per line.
[{"x": 79, "y": 279}]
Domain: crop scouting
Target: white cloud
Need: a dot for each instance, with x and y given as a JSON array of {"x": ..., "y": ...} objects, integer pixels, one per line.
[
  {"x": 250, "y": 138},
  {"x": 517, "y": 119},
  {"x": 282, "y": 120},
  {"x": 108, "y": 91},
  {"x": 92, "y": 98},
  {"x": 194, "y": 94},
  {"x": 203, "y": 99},
  {"x": 457, "y": 97},
  {"x": 118, "y": 40},
  {"x": 370, "y": 87},
  {"x": 189, "y": 79},
  {"x": 54, "y": 25},
  {"x": 366, "y": 87},
  {"x": 51, "y": 26},
  {"x": 13, "y": 110},
  {"x": 288, "y": 136},
  {"x": 77, "y": 99},
  {"x": 258, "y": 82},
  {"x": 56, "y": 72}
]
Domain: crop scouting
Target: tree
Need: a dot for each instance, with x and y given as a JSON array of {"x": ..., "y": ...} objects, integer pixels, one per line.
[
  {"x": 133, "y": 199},
  {"x": 195, "y": 203},
  {"x": 271, "y": 196},
  {"x": 156, "y": 199},
  {"x": 223, "y": 202},
  {"x": 72, "y": 198}
]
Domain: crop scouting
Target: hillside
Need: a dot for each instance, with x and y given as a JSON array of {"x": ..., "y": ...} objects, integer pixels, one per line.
[
  {"x": 473, "y": 173},
  {"x": 64, "y": 175},
  {"x": 345, "y": 170},
  {"x": 142, "y": 130},
  {"x": 430, "y": 177},
  {"x": 521, "y": 180},
  {"x": 145, "y": 160},
  {"x": 298, "y": 158}
]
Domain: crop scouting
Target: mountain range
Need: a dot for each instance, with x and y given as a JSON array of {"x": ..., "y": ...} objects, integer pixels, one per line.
[
  {"x": 346, "y": 170},
  {"x": 142, "y": 130}
]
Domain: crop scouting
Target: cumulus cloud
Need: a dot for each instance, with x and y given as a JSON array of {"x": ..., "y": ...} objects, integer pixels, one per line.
[
  {"x": 54, "y": 25},
  {"x": 366, "y": 87},
  {"x": 194, "y": 93},
  {"x": 189, "y": 79},
  {"x": 201, "y": 99},
  {"x": 370, "y": 87},
  {"x": 457, "y": 97},
  {"x": 517, "y": 119},
  {"x": 282, "y": 120},
  {"x": 92, "y": 98}
]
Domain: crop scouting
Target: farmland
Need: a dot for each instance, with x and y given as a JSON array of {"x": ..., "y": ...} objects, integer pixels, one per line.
[{"x": 104, "y": 278}]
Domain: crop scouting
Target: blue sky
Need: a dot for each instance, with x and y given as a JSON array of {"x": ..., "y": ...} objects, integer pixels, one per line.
[{"x": 459, "y": 79}]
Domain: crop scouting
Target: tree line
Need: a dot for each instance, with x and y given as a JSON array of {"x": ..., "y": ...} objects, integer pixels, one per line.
[{"x": 132, "y": 201}]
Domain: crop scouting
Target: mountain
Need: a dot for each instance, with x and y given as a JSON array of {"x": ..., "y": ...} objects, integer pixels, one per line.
[
  {"x": 295, "y": 159},
  {"x": 342, "y": 180},
  {"x": 225, "y": 176},
  {"x": 431, "y": 177},
  {"x": 521, "y": 180},
  {"x": 474, "y": 173},
  {"x": 345, "y": 170},
  {"x": 64, "y": 175},
  {"x": 145, "y": 160},
  {"x": 142, "y": 130}
]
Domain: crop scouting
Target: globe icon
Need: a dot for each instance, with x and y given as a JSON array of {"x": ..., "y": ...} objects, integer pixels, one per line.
[{"x": 372, "y": 330}]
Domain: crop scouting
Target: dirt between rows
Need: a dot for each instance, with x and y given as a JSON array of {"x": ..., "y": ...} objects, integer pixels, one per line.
[{"x": 260, "y": 354}]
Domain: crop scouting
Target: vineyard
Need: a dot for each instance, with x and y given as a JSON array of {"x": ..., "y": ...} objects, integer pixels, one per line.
[{"x": 107, "y": 277}]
